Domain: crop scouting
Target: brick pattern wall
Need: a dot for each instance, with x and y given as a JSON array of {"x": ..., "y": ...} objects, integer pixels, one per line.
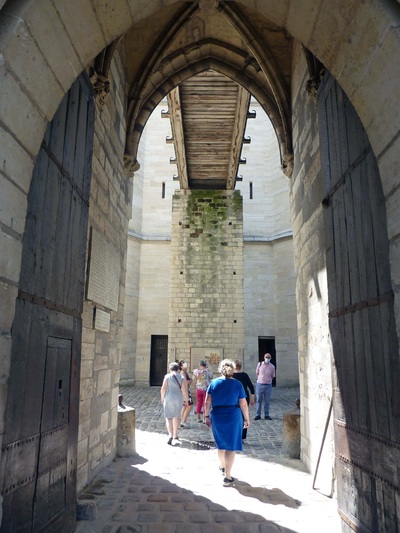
[
  {"x": 110, "y": 209},
  {"x": 206, "y": 290}
]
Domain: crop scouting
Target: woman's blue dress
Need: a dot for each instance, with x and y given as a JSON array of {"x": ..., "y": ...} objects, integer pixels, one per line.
[{"x": 226, "y": 415}]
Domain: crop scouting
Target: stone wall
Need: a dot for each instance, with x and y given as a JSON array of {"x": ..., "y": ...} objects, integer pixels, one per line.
[
  {"x": 149, "y": 238},
  {"x": 315, "y": 354},
  {"x": 110, "y": 209},
  {"x": 270, "y": 306},
  {"x": 269, "y": 279},
  {"x": 206, "y": 294}
]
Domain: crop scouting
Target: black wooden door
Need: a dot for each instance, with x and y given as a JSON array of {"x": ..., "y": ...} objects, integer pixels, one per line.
[
  {"x": 41, "y": 424},
  {"x": 158, "y": 359},
  {"x": 361, "y": 317}
]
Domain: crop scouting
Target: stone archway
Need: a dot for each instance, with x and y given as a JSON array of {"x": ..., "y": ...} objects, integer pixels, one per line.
[
  {"x": 231, "y": 71},
  {"x": 39, "y": 67},
  {"x": 321, "y": 30}
]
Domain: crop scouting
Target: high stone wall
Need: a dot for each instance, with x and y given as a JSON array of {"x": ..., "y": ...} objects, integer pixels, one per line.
[{"x": 206, "y": 295}]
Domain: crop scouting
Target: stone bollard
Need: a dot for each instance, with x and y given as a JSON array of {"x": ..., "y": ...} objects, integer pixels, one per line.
[
  {"x": 291, "y": 433},
  {"x": 126, "y": 423}
]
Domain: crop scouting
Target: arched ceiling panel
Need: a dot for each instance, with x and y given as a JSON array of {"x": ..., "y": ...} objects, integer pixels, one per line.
[{"x": 181, "y": 43}]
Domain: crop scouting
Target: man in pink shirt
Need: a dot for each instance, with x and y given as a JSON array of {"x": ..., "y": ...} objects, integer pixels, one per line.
[{"x": 265, "y": 373}]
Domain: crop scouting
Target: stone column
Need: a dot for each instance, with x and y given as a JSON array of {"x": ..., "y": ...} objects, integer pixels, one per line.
[{"x": 206, "y": 289}]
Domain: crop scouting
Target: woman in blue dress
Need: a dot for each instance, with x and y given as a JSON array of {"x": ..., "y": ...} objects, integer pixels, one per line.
[{"x": 227, "y": 413}]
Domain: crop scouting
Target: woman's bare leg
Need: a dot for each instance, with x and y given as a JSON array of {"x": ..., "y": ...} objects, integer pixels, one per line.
[
  {"x": 229, "y": 458},
  {"x": 175, "y": 424},
  {"x": 168, "y": 423},
  {"x": 221, "y": 458},
  {"x": 185, "y": 413}
]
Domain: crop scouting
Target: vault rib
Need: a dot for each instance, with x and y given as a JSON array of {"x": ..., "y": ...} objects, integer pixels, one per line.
[
  {"x": 239, "y": 127},
  {"x": 175, "y": 110}
]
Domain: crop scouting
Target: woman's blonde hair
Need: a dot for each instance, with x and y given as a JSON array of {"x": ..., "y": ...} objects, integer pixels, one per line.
[{"x": 226, "y": 367}]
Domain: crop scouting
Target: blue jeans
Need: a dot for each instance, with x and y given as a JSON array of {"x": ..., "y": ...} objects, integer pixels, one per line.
[{"x": 263, "y": 392}]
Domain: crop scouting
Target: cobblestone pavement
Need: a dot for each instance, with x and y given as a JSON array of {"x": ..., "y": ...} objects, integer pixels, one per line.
[{"x": 178, "y": 489}]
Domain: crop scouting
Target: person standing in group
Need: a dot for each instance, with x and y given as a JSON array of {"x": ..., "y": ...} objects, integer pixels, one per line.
[
  {"x": 173, "y": 395},
  {"x": 248, "y": 386},
  {"x": 226, "y": 412},
  {"x": 265, "y": 373},
  {"x": 188, "y": 407},
  {"x": 203, "y": 378}
]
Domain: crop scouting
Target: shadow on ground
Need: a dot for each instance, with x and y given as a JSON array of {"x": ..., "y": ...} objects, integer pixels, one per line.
[{"x": 270, "y": 496}]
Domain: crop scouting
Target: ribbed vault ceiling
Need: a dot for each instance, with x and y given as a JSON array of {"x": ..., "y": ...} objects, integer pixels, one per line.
[{"x": 208, "y": 57}]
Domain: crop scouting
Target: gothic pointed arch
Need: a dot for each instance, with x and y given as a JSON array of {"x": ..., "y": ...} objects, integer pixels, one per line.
[
  {"x": 242, "y": 69},
  {"x": 184, "y": 49}
]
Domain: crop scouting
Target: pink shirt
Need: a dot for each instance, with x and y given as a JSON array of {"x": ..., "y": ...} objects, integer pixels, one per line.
[{"x": 265, "y": 373}]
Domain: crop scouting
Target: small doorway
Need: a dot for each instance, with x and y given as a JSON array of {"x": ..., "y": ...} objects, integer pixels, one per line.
[
  {"x": 267, "y": 345},
  {"x": 158, "y": 359}
]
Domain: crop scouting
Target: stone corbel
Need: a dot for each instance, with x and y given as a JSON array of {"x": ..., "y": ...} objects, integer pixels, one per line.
[
  {"x": 287, "y": 164},
  {"x": 316, "y": 71},
  {"x": 100, "y": 73},
  {"x": 101, "y": 86},
  {"x": 313, "y": 84},
  {"x": 131, "y": 165},
  {"x": 312, "y": 87}
]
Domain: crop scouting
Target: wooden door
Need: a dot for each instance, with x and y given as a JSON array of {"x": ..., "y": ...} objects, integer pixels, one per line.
[
  {"x": 41, "y": 424},
  {"x": 361, "y": 318},
  {"x": 158, "y": 359}
]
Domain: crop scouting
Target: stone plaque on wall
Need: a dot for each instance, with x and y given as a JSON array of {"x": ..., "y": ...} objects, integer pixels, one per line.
[
  {"x": 104, "y": 272},
  {"x": 212, "y": 356},
  {"x": 101, "y": 320}
]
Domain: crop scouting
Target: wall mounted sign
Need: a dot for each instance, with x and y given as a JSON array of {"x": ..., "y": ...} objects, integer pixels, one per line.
[{"x": 104, "y": 272}]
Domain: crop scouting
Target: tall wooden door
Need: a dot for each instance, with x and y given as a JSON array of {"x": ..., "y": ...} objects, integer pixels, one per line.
[
  {"x": 361, "y": 317},
  {"x": 39, "y": 458}
]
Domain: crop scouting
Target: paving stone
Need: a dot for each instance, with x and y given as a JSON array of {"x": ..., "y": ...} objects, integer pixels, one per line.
[
  {"x": 182, "y": 497},
  {"x": 175, "y": 517},
  {"x": 130, "y": 498},
  {"x": 146, "y": 507},
  {"x": 161, "y": 528},
  {"x": 157, "y": 498},
  {"x": 148, "y": 517},
  {"x": 196, "y": 506},
  {"x": 226, "y": 516},
  {"x": 214, "y": 529}
]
